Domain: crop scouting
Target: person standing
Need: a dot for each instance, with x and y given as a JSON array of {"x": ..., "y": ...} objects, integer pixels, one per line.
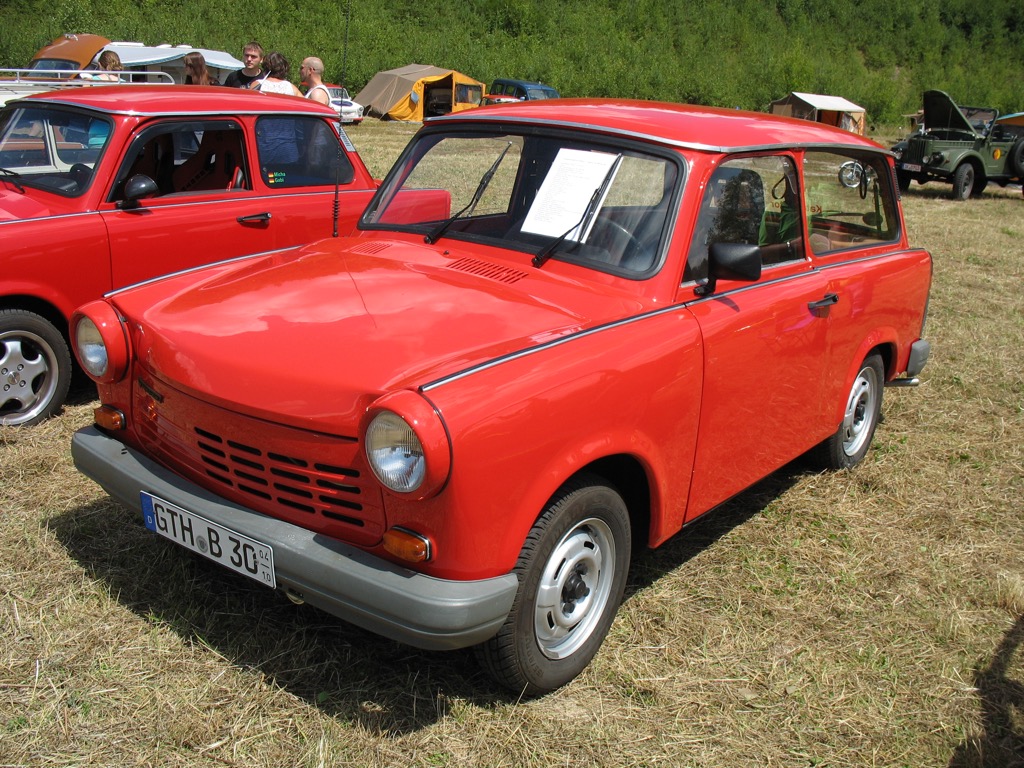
[
  {"x": 196, "y": 72},
  {"x": 252, "y": 55},
  {"x": 276, "y": 80},
  {"x": 312, "y": 74},
  {"x": 109, "y": 65}
]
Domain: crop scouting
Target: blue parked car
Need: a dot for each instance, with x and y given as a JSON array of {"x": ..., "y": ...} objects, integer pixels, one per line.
[{"x": 504, "y": 90}]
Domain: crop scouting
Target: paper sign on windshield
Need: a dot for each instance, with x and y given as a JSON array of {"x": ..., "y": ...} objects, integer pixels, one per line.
[{"x": 567, "y": 190}]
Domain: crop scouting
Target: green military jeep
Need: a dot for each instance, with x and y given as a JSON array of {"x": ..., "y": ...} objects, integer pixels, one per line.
[{"x": 965, "y": 146}]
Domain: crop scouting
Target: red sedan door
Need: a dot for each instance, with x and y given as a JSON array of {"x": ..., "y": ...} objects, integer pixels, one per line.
[
  {"x": 220, "y": 193},
  {"x": 766, "y": 344}
]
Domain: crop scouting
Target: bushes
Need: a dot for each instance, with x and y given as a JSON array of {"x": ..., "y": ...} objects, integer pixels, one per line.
[{"x": 879, "y": 53}]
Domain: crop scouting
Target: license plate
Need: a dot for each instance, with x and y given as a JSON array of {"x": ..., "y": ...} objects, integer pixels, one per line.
[
  {"x": 913, "y": 167},
  {"x": 233, "y": 550}
]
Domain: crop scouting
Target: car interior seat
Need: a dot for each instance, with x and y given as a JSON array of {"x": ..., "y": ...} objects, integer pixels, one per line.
[{"x": 214, "y": 165}]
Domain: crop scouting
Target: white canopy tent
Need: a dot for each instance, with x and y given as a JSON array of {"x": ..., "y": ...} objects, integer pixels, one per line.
[
  {"x": 168, "y": 58},
  {"x": 819, "y": 108}
]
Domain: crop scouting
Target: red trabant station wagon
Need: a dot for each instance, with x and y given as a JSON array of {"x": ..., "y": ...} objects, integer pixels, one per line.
[
  {"x": 105, "y": 187},
  {"x": 564, "y": 329}
]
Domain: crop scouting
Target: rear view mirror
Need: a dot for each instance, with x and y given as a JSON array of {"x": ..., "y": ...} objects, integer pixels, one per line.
[
  {"x": 731, "y": 261},
  {"x": 136, "y": 188}
]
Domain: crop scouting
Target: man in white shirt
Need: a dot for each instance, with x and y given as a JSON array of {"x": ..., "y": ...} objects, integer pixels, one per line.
[{"x": 312, "y": 74}]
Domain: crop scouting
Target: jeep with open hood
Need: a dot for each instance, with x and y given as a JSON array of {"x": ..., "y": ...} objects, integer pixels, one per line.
[{"x": 963, "y": 146}]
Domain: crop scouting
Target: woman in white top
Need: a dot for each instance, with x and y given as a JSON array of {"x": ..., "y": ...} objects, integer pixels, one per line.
[{"x": 276, "y": 79}]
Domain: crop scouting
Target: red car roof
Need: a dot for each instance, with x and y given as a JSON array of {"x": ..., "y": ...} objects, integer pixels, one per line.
[
  {"x": 679, "y": 124},
  {"x": 176, "y": 99}
]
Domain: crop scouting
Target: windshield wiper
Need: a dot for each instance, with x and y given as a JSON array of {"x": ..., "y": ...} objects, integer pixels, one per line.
[
  {"x": 434, "y": 236},
  {"x": 548, "y": 250},
  {"x": 13, "y": 178}
]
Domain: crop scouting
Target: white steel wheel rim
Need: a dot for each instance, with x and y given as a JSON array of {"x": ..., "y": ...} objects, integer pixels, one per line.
[
  {"x": 574, "y": 588},
  {"x": 860, "y": 412},
  {"x": 24, "y": 359}
]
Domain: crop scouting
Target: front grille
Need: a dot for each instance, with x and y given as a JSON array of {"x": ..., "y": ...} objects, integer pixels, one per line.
[
  {"x": 313, "y": 480},
  {"x": 914, "y": 152}
]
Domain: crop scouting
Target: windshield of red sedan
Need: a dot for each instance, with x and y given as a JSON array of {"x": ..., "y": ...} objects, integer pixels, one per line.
[
  {"x": 550, "y": 196},
  {"x": 52, "y": 149}
]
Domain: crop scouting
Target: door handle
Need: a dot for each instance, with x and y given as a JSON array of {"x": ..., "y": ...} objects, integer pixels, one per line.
[
  {"x": 828, "y": 301},
  {"x": 255, "y": 218}
]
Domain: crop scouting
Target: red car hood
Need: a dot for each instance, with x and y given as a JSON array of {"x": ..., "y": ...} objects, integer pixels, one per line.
[
  {"x": 16, "y": 205},
  {"x": 311, "y": 337}
]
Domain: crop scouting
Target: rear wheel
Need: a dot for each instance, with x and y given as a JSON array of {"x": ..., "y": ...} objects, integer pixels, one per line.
[
  {"x": 35, "y": 368},
  {"x": 1016, "y": 160},
  {"x": 572, "y": 573},
  {"x": 848, "y": 446}
]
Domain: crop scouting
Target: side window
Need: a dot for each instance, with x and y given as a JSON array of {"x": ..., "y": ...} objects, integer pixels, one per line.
[
  {"x": 296, "y": 151},
  {"x": 188, "y": 157},
  {"x": 753, "y": 200},
  {"x": 850, "y": 201}
]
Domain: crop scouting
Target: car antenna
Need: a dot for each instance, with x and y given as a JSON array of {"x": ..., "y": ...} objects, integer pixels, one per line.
[{"x": 337, "y": 186}]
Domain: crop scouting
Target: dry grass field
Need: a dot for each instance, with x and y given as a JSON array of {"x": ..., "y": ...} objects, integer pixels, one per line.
[{"x": 868, "y": 618}]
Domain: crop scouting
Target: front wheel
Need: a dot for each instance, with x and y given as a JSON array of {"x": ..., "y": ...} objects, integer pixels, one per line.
[
  {"x": 35, "y": 368},
  {"x": 572, "y": 573},
  {"x": 848, "y": 446},
  {"x": 963, "y": 181}
]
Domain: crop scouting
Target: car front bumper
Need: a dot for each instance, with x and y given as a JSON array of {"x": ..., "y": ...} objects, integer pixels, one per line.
[{"x": 345, "y": 581}]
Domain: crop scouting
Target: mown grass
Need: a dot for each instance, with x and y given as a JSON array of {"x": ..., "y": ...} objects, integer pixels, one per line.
[{"x": 867, "y": 618}]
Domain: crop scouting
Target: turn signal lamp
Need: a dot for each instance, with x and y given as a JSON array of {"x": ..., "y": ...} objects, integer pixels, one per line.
[
  {"x": 407, "y": 545},
  {"x": 109, "y": 418}
]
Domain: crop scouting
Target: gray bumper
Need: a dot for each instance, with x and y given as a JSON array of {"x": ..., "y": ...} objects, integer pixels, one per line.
[
  {"x": 345, "y": 581},
  {"x": 920, "y": 350}
]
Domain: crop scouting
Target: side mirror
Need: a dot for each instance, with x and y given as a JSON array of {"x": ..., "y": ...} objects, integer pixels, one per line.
[
  {"x": 732, "y": 261},
  {"x": 136, "y": 188}
]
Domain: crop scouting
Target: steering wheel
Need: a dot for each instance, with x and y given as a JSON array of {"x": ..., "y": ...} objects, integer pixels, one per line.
[
  {"x": 81, "y": 174},
  {"x": 617, "y": 240}
]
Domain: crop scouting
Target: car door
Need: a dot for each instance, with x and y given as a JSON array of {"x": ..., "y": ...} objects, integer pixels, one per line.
[
  {"x": 303, "y": 161},
  {"x": 765, "y": 342},
  {"x": 202, "y": 207}
]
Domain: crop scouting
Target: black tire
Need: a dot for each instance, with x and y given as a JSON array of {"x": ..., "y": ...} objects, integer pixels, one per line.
[
  {"x": 1016, "y": 160},
  {"x": 848, "y": 446},
  {"x": 903, "y": 180},
  {"x": 35, "y": 368},
  {"x": 980, "y": 182},
  {"x": 572, "y": 573},
  {"x": 963, "y": 181}
]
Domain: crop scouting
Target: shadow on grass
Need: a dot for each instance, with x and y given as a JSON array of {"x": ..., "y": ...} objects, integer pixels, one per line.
[
  {"x": 651, "y": 565},
  {"x": 346, "y": 672},
  {"x": 1001, "y": 745}
]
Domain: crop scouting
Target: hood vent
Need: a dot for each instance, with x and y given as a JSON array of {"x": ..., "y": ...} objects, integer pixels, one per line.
[
  {"x": 370, "y": 249},
  {"x": 494, "y": 272}
]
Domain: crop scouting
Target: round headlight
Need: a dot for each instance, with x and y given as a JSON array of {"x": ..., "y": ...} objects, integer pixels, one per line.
[
  {"x": 395, "y": 453},
  {"x": 92, "y": 351},
  {"x": 100, "y": 342}
]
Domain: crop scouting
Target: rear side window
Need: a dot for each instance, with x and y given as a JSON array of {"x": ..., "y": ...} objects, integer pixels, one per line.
[
  {"x": 850, "y": 201},
  {"x": 297, "y": 151}
]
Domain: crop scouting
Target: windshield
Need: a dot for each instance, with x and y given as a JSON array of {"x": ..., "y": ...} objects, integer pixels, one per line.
[
  {"x": 63, "y": 65},
  {"x": 52, "y": 149},
  {"x": 549, "y": 196},
  {"x": 536, "y": 93}
]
